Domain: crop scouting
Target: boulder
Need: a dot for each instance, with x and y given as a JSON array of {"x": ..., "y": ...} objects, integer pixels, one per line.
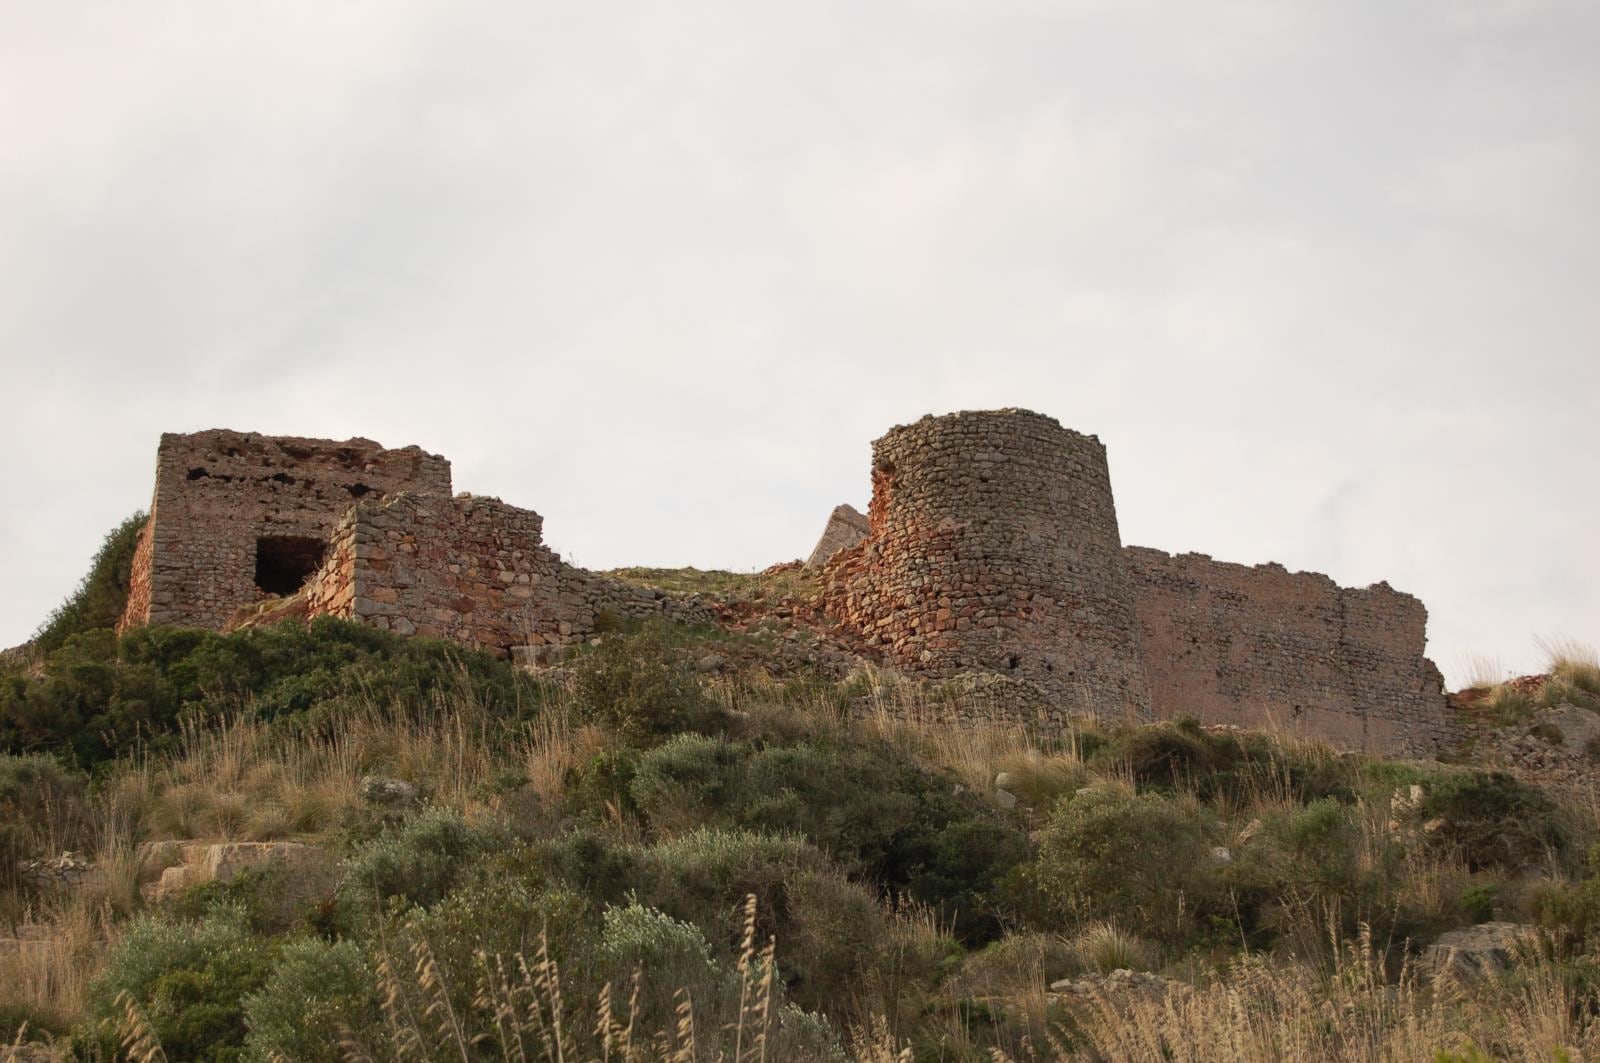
[
  {"x": 378, "y": 790},
  {"x": 1485, "y": 949}
]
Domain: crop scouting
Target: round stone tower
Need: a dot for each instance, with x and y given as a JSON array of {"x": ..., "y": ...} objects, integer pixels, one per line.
[{"x": 994, "y": 547}]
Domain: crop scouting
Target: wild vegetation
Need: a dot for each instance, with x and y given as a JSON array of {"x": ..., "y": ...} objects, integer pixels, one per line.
[{"x": 635, "y": 860}]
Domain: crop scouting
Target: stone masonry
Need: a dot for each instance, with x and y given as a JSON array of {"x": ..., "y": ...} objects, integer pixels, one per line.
[
  {"x": 995, "y": 547},
  {"x": 1253, "y": 646},
  {"x": 846, "y": 527},
  {"x": 470, "y": 569},
  {"x": 238, "y": 517}
]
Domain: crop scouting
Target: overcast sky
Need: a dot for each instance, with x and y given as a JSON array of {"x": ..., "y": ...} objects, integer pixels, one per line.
[{"x": 1324, "y": 276}]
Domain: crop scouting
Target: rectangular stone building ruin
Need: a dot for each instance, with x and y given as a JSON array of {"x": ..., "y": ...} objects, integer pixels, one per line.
[
  {"x": 238, "y": 517},
  {"x": 242, "y": 522}
]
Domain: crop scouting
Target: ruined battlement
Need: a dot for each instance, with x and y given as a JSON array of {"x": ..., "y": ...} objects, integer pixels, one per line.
[
  {"x": 238, "y": 516},
  {"x": 990, "y": 555},
  {"x": 994, "y": 547}
]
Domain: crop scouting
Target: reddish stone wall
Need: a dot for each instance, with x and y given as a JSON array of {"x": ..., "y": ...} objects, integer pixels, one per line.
[
  {"x": 472, "y": 570},
  {"x": 995, "y": 547},
  {"x": 1261, "y": 645},
  {"x": 218, "y": 493}
]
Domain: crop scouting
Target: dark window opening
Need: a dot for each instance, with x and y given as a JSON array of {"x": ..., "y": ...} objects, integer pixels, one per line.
[
  {"x": 195, "y": 474},
  {"x": 358, "y": 490},
  {"x": 285, "y": 562},
  {"x": 1013, "y": 661},
  {"x": 283, "y": 478}
]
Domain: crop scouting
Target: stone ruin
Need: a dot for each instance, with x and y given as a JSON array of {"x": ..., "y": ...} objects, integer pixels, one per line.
[
  {"x": 994, "y": 549},
  {"x": 242, "y": 522},
  {"x": 990, "y": 556},
  {"x": 846, "y": 527}
]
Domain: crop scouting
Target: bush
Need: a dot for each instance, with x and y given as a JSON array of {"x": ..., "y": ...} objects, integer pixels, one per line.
[
  {"x": 1230, "y": 765},
  {"x": 102, "y": 595},
  {"x": 98, "y": 695},
  {"x": 190, "y": 980},
  {"x": 1494, "y": 820},
  {"x": 641, "y": 686},
  {"x": 317, "y": 994},
  {"x": 863, "y": 804},
  {"x": 669, "y": 955},
  {"x": 419, "y": 861},
  {"x": 1138, "y": 861}
]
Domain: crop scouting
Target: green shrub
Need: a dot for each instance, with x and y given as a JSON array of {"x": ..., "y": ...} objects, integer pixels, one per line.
[
  {"x": 189, "y": 979},
  {"x": 1139, "y": 861},
  {"x": 98, "y": 695},
  {"x": 419, "y": 861},
  {"x": 1229, "y": 765},
  {"x": 641, "y": 686},
  {"x": 1494, "y": 820},
  {"x": 669, "y": 955},
  {"x": 100, "y": 597},
  {"x": 863, "y": 804},
  {"x": 317, "y": 994}
]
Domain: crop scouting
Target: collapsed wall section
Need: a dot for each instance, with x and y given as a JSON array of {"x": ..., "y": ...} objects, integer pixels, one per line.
[
  {"x": 994, "y": 547},
  {"x": 239, "y": 516},
  {"x": 1251, "y": 646},
  {"x": 473, "y": 570},
  {"x": 846, "y": 527}
]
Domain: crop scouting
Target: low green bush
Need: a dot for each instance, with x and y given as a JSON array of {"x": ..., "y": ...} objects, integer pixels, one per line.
[
  {"x": 97, "y": 695},
  {"x": 189, "y": 980},
  {"x": 1229, "y": 765},
  {"x": 866, "y": 806},
  {"x": 419, "y": 861},
  {"x": 642, "y": 686},
  {"x": 1138, "y": 861},
  {"x": 1495, "y": 821},
  {"x": 318, "y": 994}
]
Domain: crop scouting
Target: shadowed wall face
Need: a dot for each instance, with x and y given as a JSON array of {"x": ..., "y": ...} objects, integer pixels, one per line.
[
  {"x": 239, "y": 516},
  {"x": 1260, "y": 645},
  {"x": 995, "y": 547}
]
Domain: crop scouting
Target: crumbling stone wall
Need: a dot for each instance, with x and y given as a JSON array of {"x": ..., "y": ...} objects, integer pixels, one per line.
[
  {"x": 994, "y": 546},
  {"x": 473, "y": 570},
  {"x": 221, "y": 497},
  {"x": 1260, "y": 645},
  {"x": 846, "y": 526}
]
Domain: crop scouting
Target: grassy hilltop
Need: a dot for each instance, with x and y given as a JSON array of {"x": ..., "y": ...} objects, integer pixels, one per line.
[{"x": 665, "y": 848}]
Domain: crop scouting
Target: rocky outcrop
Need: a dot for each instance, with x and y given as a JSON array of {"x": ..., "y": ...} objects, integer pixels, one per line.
[{"x": 169, "y": 868}]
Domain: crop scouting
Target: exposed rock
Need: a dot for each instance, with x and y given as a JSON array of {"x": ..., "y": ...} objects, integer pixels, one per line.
[
  {"x": 59, "y": 874},
  {"x": 1485, "y": 949},
  {"x": 307, "y": 868},
  {"x": 711, "y": 662},
  {"x": 1120, "y": 982},
  {"x": 846, "y": 527},
  {"x": 378, "y": 790},
  {"x": 1005, "y": 799}
]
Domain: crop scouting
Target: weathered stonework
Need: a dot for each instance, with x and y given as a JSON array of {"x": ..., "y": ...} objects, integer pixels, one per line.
[
  {"x": 469, "y": 569},
  {"x": 235, "y": 509},
  {"x": 846, "y": 527},
  {"x": 1254, "y": 646},
  {"x": 995, "y": 547}
]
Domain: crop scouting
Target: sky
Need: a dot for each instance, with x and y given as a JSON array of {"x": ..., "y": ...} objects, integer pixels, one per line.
[{"x": 1321, "y": 274}]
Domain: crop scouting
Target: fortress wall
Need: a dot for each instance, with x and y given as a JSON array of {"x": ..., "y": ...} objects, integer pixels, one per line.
[
  {"x": 469, "y": 569},
  {"x": 994, "y": 547},
  {"x": 220, "y": 495},
  {"x": 1235, "y": 644}
]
